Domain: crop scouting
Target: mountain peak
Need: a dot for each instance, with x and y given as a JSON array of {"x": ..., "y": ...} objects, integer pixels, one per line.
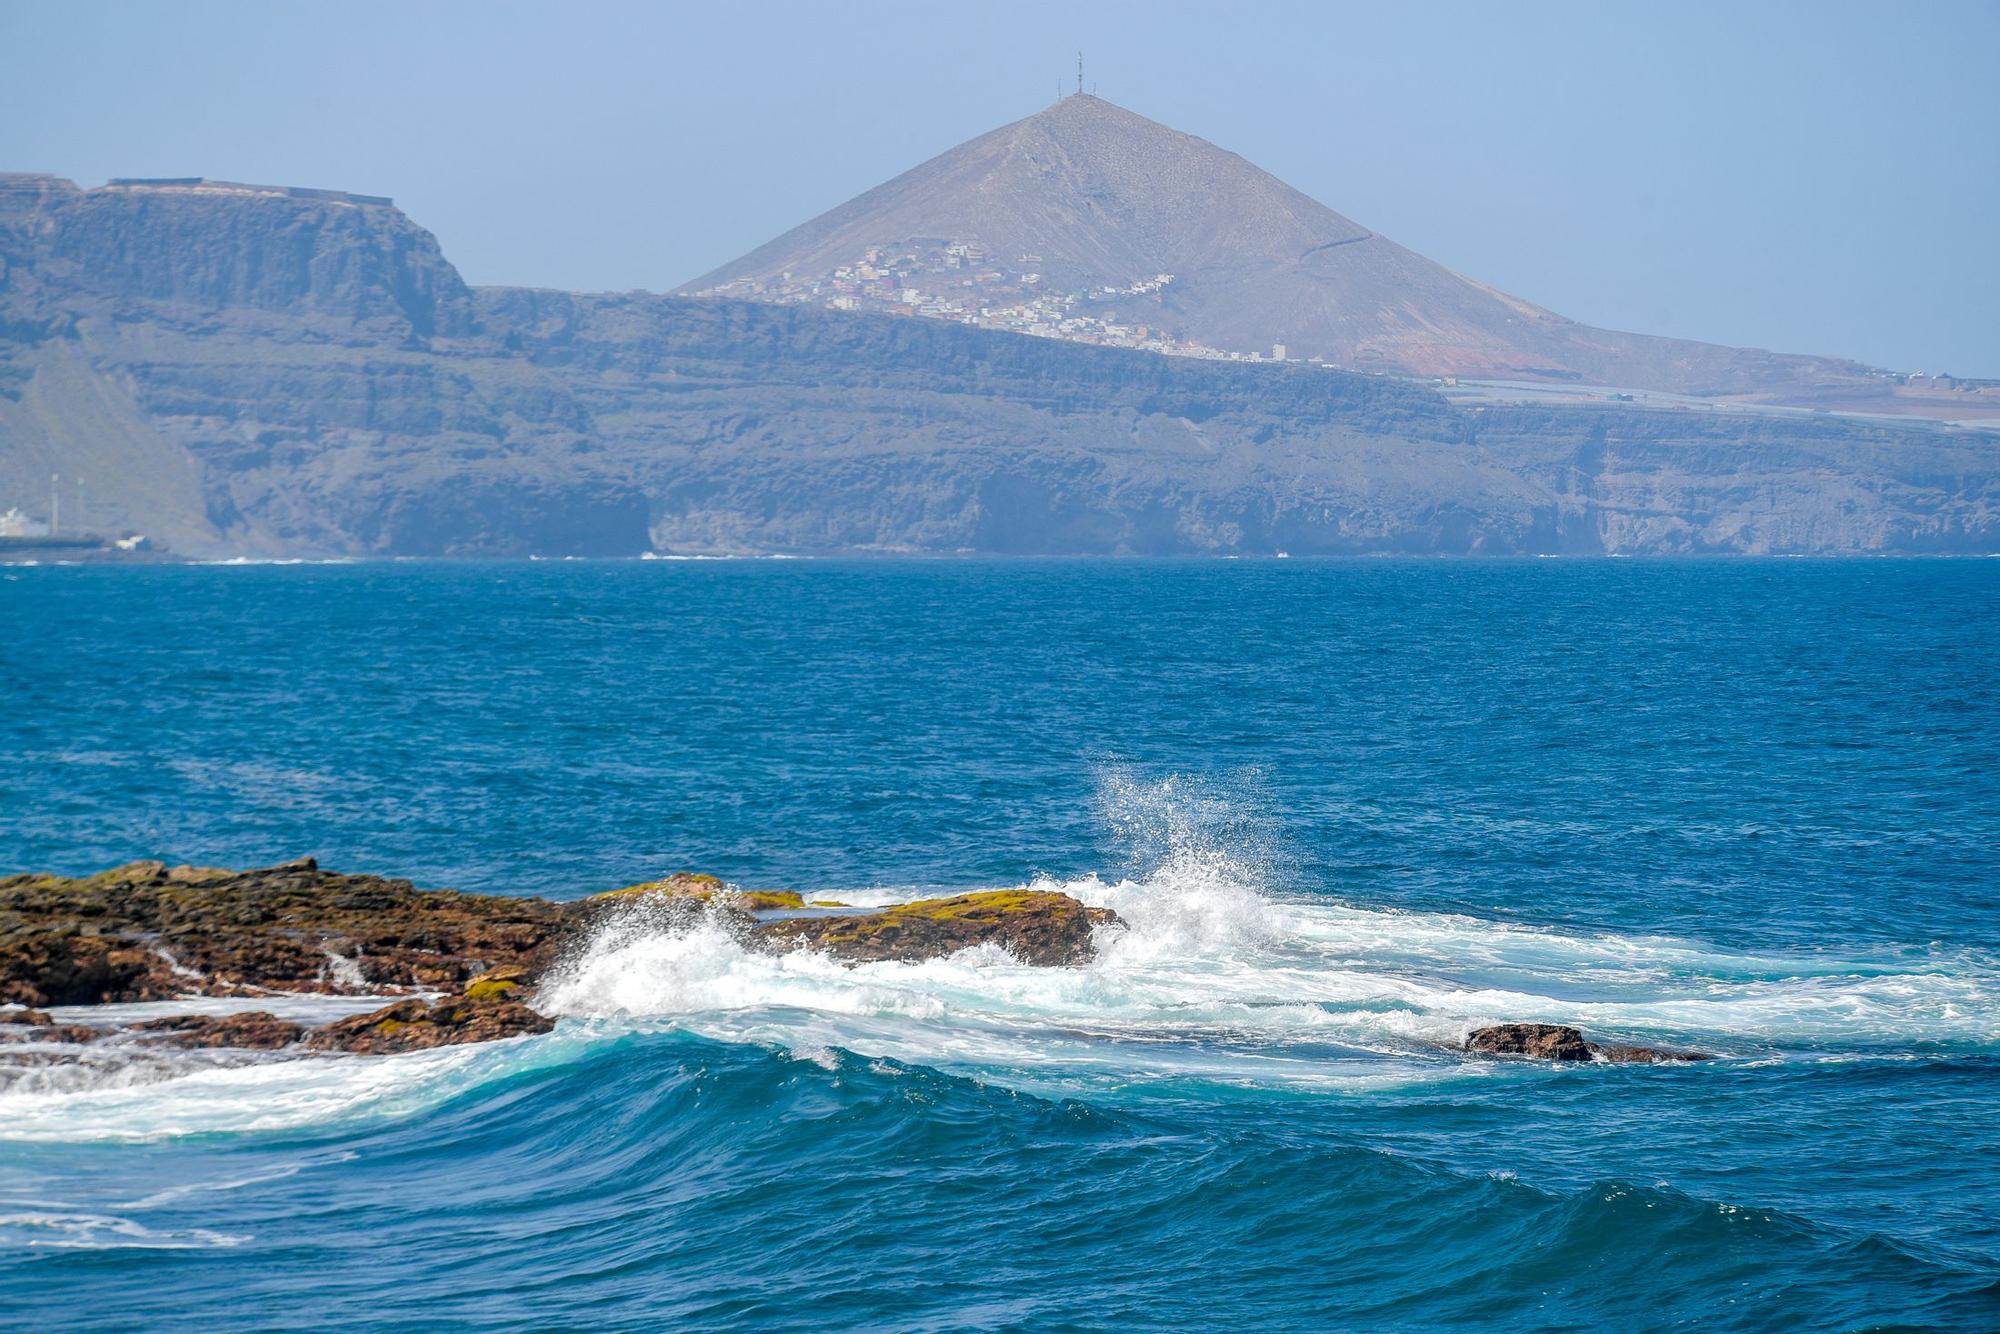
[{"x": 1091, "y": 222}]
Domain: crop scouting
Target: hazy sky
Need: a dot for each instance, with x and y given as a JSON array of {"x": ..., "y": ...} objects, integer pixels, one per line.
[{"x": 1815, "y": 177}]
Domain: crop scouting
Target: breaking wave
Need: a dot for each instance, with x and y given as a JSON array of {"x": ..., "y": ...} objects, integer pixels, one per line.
[{"x": 1219, "y": 980}]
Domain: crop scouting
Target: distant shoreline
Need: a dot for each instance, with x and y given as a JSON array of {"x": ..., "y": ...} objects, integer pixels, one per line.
[{"x": 103, "y": 559}]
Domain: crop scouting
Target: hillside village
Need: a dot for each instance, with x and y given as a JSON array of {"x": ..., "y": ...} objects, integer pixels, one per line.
[{"x": 959, "y": 281}]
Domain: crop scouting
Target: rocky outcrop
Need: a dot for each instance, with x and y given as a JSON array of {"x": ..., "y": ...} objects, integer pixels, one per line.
[
  {"x": 1546, "y": 1042},
  {"x": 484, "y": 1012},
  {"x": 1560, "y": 1042},
  {"x": 146, "y": 931},
  {"x": 1036, "y": 927},
  {"x": 689, "y": 889}
]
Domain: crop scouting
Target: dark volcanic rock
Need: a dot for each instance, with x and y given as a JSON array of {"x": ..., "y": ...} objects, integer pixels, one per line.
[
  {"x": 1036, "y": 927},
  {"x": 1548, "y": 1042},
  {"x": 1623, "y": 1054},
  {"x": 417, "y": 1025},
  {"x": 148, "y": 932},
  {"x": 1559, "y": 1042},
  {"x": 254, "y": 1030}
]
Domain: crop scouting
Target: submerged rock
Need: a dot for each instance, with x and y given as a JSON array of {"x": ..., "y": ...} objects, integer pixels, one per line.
[
  {"x": 24, "y": 1025},
  {"x": 251, "y": 1030},
  {"x": 1560, "y": 1042},
  {"x": 1035, "y": 926},
  {"x": 1624, "y": 1054}
]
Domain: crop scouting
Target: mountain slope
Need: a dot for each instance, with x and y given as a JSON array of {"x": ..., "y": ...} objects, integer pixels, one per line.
[{"x": 1090, "y": 196}]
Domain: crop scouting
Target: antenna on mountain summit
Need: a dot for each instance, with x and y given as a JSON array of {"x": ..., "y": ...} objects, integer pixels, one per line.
[{"x": 1079, "y": 72}]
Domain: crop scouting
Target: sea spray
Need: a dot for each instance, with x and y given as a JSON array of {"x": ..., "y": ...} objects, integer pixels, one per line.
[{"x": 1218, "y": 975}]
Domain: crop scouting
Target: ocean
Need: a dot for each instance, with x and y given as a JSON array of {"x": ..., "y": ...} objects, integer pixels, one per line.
[{"x": 1350, "y": 810}]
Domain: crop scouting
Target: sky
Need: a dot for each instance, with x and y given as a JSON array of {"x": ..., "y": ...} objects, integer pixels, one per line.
[{"x": 1810, "y": 177}]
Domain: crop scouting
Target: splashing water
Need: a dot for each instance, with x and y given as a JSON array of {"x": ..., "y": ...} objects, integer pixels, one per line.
[{"x": 1213, "y": 979}]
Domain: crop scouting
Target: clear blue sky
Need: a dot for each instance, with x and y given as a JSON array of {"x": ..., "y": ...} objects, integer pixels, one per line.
[{"x": 1815, "y": 177}]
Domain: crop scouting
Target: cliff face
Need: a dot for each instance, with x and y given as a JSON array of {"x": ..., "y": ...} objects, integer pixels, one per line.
[
  {"x": 215, "y": 245},
  {"x": 252, "y": 370}
]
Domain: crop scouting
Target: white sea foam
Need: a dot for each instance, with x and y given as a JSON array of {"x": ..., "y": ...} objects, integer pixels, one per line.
[
  {"x": 56, "y": 1230},
  {"x": 1217, "y": 977},
  {"x": 239, "y": 561},
  {"x": 201, "y": 1095}
]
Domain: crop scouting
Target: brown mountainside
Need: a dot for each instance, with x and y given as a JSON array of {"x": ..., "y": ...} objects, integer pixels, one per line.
[{"x": 1088, "y": 196}]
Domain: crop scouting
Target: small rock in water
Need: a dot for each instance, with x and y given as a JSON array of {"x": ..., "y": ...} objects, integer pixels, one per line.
[
  {"x": 1560, "y": 1042},
  {"x": 1547, "y": 1042},
  {"x": 1628, "y": 1055}
]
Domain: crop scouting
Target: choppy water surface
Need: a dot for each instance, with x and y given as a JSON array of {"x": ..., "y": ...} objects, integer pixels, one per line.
[{"x": 1349, "y": 810}]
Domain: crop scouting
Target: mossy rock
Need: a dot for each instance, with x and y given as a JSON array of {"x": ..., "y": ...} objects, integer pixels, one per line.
[
  {"x": 697, "y": 888},
  {"x": 413, "y": 1025},
  {"x": 1035, "y": 926},
  {"x": 502, "y": 984},
  {"x": 146, "y": 931}
]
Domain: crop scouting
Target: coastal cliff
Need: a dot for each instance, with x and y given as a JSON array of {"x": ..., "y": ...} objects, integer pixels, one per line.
[{"x": 248, "y": 370}]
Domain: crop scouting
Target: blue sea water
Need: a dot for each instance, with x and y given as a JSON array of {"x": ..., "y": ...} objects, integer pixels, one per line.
[{"x": 1350, "y": 811}]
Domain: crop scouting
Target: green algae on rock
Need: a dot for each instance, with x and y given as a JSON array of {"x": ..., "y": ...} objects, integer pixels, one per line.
[
  {"x": 693, "y": 887},
  {"x": 147, "y": 932},
  {"x": 415, "y": 1024},
  {"x": 1037, "y": 927}
]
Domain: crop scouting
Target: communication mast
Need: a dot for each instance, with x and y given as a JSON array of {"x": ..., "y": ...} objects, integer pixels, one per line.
[{"x": 1079, "y": 73}]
